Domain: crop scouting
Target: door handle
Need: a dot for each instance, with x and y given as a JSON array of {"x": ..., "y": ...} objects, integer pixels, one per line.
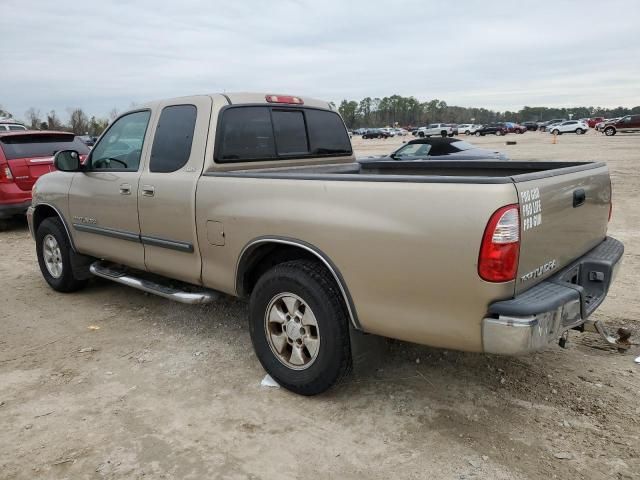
[
  {"x": 579, "y": 197},
  {"x": 125, "y": 189},
  {"x": 148, "y": 190}
]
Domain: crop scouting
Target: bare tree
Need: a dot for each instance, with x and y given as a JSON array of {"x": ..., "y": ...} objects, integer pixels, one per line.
[
  {"x": 113, "y": 114},
  {"x": 78, "y": 121},
  {"x": 33, "y": 118},
  {"x": 53, "y": 122}
]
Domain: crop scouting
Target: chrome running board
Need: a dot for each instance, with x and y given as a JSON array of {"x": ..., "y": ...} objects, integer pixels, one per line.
[{"x": 118, "y": 274}]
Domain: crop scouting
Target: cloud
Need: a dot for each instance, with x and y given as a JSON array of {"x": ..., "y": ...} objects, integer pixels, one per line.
[{"x": 499, "y": 55}]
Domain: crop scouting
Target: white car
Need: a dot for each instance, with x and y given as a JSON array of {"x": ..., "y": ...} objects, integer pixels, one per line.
[
  {"x": 400, "y": 132},
  {"x": 390, "y": 131},
  {"x": 570, "y": 126},
  {"x": 436, "y": 130},
  {"x": 11, "y": 126},
  {"x": 468, "y": 128}
]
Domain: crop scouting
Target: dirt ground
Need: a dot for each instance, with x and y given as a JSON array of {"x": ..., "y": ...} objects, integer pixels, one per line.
[{"x": 113, "y": 383}]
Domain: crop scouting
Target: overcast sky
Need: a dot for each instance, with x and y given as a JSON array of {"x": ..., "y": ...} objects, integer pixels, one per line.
[{"x": 57, "y": 54}]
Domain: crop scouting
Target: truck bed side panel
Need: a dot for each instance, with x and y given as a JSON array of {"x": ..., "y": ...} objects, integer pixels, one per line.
[{"x": 407, "y": 251}]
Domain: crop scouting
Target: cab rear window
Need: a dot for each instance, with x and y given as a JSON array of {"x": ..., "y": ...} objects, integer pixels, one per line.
[
  {"x": 40, "y": 145},
  {"x": 252, "y": 133}
]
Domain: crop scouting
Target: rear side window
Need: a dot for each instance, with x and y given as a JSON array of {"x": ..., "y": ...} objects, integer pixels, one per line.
[
  {"x": 40, "y": 145},
  {"x": 173, "y": 138},
  {"x": 265, "y": 133}
]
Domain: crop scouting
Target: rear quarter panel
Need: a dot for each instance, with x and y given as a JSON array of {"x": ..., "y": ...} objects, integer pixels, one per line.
[{"x": 408, "y": 251}]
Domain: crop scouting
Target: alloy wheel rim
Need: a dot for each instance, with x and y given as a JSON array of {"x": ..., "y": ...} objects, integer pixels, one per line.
[
  {"x": 292, "y": 331},
  {"x": 52, "y": 256}
]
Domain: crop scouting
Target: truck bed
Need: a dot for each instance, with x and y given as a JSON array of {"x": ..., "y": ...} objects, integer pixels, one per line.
[{"x": 421, "y": 171}]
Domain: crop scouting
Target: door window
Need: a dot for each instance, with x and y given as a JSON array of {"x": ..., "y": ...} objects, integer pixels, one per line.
[
  {"x": 173, "y": 138},
  {"x": 120, "y": 147}
]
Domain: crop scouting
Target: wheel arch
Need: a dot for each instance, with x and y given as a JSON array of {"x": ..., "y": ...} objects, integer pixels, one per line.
[
  {"x": 42, "y": 211},
  {"x": 262, "y": 253}
]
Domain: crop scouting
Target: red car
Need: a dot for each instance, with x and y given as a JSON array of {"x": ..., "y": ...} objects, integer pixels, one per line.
[
  {"x": 24, "y": 157},
  {"x": 593, "y": 120}
]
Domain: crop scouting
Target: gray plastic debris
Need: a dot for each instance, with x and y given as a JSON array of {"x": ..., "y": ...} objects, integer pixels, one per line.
[{"x": 267, "y": 381}]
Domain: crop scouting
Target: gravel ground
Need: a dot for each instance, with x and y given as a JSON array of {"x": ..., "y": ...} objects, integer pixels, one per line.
[{"x": 113, "y": 383}]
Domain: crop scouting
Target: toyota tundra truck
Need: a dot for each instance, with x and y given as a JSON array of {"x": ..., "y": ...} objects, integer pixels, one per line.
[{"x": 260, "y": 197}]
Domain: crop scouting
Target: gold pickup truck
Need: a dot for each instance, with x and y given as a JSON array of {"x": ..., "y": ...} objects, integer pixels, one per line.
[{"x": 260, "y": 196}]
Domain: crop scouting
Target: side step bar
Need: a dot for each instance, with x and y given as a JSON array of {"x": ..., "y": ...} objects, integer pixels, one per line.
[{"x": 126, "y": 277}]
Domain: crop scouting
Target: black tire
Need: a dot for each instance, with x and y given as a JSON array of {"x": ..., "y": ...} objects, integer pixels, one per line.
[
  {"x": 609, "y": 131},
  {"x": 443, "y": 134},
  {"x": 421, "y": 134},
  {"x": 467, "y": 132},
  {"x": 477, "y": 134},
  {"x": 67, "y": 281},
  {"x": 313, "y": 283},
  {"x": 579, "y": 131}
]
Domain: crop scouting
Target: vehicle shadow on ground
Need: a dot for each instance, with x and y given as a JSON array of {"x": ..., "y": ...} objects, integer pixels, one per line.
[{"x": 14, "y": 224}]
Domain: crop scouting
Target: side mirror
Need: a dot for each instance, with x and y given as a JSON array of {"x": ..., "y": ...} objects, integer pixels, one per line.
[{"x": 67, "y": 161}]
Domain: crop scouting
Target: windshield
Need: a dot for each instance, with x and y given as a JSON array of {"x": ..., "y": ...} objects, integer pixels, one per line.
[{"x": 413, "y": 150}]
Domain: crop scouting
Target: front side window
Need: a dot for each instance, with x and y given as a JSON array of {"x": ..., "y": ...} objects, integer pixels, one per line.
[
  {"x": 120, "y": 147},
  {"x": 173, "y": 138}
]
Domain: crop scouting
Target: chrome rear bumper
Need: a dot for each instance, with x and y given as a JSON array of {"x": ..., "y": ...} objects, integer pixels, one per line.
[{"x": 538, "y": 317}]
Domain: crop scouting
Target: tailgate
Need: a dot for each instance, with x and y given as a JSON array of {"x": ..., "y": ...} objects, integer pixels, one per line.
[{"x": 561, "y": 218}]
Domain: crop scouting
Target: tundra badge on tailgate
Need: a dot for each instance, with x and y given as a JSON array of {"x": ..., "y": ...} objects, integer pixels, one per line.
[{"x": 541, "y": 270}]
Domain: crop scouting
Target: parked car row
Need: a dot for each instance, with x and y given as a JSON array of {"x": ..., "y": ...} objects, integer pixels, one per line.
[{"x": 385, "y": 132}]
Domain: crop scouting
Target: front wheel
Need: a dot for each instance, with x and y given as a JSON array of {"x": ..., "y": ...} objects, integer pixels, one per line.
[
  {"x": 478, "y": 134},
  {"x": 579, "y": 131},
  {"x": 299, "y": 327},
  {"x": 498, "y": 133},
  {"x": 609, "y": 131},
  {"x": 55, "y": 257},
  {"x": 443, "y": 134}
]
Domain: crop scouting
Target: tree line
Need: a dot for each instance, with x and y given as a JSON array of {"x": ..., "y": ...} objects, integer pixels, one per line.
[
  {"x": 409, "y": 111},
  {"x": 79, "y": 122},
  {"x": 368, "y": 112}
]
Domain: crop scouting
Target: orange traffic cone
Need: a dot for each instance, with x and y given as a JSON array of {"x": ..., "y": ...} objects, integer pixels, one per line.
[{"x": 555, "y": 138}]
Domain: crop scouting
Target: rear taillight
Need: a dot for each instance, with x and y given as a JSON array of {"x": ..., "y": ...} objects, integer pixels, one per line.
[
  {"x": 5, "y": 173},
  {"x": 500, "y": 248}
]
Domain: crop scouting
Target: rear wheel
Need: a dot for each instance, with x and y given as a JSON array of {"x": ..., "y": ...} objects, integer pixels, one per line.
[
  {"x": 299, "y": 327},
  {"x": 609, "y": 131},
  {"x": 467, "y": 132},
  {"x": 498, "y": 133},
  {"x": 443, "y": 134},
  {"x": 55, "y": 256},
  {"x": 478, "y": 134}
]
